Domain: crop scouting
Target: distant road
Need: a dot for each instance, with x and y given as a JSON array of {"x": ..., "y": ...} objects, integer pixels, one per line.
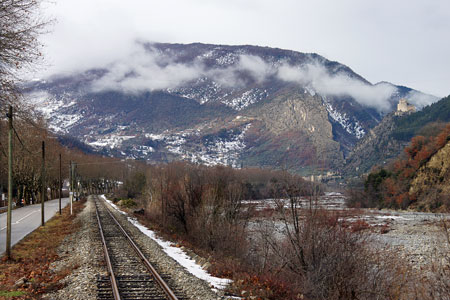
[{"x": 26, "y": 219}]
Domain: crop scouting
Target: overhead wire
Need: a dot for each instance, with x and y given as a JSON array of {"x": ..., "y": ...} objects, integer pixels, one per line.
[{"x": 21, "y": 143}]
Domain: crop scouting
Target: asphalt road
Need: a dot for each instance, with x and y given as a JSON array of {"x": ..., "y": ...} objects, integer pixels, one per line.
[{"x": 27, "y": 219}]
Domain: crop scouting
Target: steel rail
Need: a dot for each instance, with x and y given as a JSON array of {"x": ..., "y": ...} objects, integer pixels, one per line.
[
  {"x": 114, "y": 285},
  {"x": 167, "y": 290}
]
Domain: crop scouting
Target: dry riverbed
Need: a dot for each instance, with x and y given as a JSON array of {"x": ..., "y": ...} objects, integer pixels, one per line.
[{"x": 417, "y": 236}]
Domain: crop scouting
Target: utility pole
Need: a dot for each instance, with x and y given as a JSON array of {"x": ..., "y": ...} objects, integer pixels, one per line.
[
  {"x": 70, "y": 187},
  {"x": 44, "y": 188},
  {"x": 10, "y": 183},
  {"x": 60, "y": 184},
  {"x": 74, "y": 180}
]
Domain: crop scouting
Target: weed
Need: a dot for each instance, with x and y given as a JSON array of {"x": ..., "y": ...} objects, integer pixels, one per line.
[{"x": 9, "y": 294}]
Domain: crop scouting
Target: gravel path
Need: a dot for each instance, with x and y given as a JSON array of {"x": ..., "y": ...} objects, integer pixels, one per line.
[{"x": 83, "y": 250}]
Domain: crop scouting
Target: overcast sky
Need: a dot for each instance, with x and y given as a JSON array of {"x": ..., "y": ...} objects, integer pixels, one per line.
[{"x": 406, "y": 42}]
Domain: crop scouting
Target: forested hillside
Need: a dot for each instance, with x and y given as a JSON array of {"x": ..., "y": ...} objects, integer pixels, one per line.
[
  {"x": 388, "y": 139},
  {"x": 418, "y": 179},
  {"x": 411, "y": 125}
]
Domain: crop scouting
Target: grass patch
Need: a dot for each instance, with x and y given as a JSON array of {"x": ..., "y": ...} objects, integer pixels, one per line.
[
  {"x": 128, "y": 203},
  {"x": 8, "y": 294},
  {"x": 27, "y": 274}
]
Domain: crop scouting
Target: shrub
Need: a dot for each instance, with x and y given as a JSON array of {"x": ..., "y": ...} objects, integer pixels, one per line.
[{"x": 128, "y": 203}]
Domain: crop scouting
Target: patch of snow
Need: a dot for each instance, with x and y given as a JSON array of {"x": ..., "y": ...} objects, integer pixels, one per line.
[
  {"x": 220, "y": 151},
  {"x": 182, "y": 258},
  {"x": 351, "y": 126},
  {"x": 111, "y": 141},
  {"x": 155, "y": 137},
  {"x": 177, "y": 254},
  {"x": 227, "y": 59},
  {"x": 310, "y": 90},
  {"x": 203, "y": 90},
  {"x": 247, "y": 98},
  {"x": 113, "y": 205},
  {"x": 333, "y": 194},
  {"x": 63, "y": 122},
  {"x": 56, "y": 109}
]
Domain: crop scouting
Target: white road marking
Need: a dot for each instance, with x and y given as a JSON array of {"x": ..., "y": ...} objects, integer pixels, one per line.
[{"x": 18, "y": 221}]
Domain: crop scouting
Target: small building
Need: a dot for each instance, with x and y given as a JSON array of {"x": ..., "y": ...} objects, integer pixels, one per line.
[{"x": 403, "y": 107}]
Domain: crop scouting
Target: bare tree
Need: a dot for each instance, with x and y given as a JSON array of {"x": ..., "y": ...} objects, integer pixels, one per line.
[{"x": 20, "y": 25}]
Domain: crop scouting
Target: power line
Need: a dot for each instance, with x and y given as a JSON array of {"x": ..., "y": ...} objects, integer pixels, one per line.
[
  {"x": 21, "y": 143},
  {"x": 101, "y": 163},
  {"x": 3, "y": 150}
]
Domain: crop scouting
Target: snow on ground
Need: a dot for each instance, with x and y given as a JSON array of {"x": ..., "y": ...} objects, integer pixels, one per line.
[
  {"x": 220, "y": 152},
  {"x": 51, "y": 108},
  {"x": 217, "y": 151},
  {"x": 177, "y": 254},
  {"x": 246, "y": 99},
  {"x": 111, "y": 141},
  {"x": 351, "y": 126},
  {"x": 61, "y": 123},
  {"x": 182, "y": 258},
  {"x": 203, "y": 90}
]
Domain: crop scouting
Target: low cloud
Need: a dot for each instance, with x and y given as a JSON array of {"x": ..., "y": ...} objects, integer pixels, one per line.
[
  {"x": 148, "y": 70},
  {"x": 317, "y": 77},
  {"x": 144, "y": 70},
  {"x": 419, "y": 99},
  {"x": 256, "y": 66}
]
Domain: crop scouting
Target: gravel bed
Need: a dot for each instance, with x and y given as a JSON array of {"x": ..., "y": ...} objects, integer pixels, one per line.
[
  {"x": 191, "y": 286},
  {"x": 82, "y": 250},
  {"x": 418, "y": 237}
]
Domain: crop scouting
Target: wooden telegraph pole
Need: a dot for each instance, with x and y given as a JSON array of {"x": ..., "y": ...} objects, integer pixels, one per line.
[
  {"x": 10, "y": 184},
  {"x": 44, "y": 188},
  {"x": 70, "y": 187},
  {"x": 60, "y": 184}
]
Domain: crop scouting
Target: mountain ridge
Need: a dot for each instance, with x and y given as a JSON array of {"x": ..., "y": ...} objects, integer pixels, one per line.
[{"x": 216, "y": 104}]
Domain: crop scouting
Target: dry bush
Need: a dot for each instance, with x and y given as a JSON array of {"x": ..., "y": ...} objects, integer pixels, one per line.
[
  {"x": 201, "y": 204},
  {"x": 438, "y": 277},
  {"x": 317, "y": 258}
]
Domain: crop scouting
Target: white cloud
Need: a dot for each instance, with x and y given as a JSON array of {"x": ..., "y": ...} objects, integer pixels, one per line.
[
  {"x": 397, "y": 41},
  {"x": 419, "y": 99},
  {"x": 317, "y": 77},
  {"x": 142, "y": 70},
  {"x": 257, "y": 67},
  {"x": 148, "y": 69}
]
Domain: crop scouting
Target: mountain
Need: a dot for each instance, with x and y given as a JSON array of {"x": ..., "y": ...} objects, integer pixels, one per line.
[
  {"x": 387, "y": 140},
  {"x": 215, "y": 104}
]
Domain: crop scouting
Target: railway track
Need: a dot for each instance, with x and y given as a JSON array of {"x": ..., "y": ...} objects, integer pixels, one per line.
[{"x": 131, "y": 276}]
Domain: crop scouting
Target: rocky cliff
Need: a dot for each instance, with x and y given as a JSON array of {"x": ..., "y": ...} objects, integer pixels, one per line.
[
  {"x": 377, "y": 148},
  {"x": 431, "y": 184},
  {"x": 388, "y": 139}
]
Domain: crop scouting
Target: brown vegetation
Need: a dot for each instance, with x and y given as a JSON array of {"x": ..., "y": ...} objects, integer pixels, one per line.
[
  {"x": 391, "y": 187},
  {"x": 28, "y": 273},
  {"x": 292, "y": 252}
]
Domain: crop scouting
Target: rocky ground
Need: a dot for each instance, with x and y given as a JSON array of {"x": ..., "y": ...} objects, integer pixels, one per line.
[
  {"x": 82, "y": 250},
  {"x": 418, "y": 237}
]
